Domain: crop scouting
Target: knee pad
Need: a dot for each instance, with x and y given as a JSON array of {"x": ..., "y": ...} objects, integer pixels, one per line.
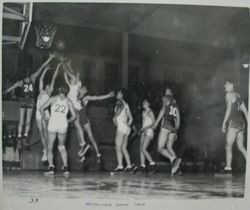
[{"x": 61, "y": 148}]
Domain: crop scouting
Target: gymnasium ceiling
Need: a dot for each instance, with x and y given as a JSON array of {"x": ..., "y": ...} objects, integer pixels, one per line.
[
  {"x": 197, "y": 36},
  {"x": 214, "y": 26}
]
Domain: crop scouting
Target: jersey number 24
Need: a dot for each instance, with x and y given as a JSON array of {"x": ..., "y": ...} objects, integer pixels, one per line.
[{"x": 28, "y": 88}]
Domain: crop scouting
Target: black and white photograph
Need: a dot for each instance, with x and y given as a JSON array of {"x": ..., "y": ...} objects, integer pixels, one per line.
[{"x": 124, "y": 105}]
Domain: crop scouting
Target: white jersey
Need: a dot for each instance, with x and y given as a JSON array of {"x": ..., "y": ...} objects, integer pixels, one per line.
[
  {"x": 122, "y": 120},
  {"x": 146, "y": 119},
  {"x": 60, "y": 109},
  {"x": 41, "y": 99},
  {"x": 73, "y": 94},
  {"x": 123, "y": 116}
]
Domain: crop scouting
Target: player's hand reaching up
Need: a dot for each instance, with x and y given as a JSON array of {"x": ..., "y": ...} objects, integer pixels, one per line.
[
  {"x": 111, "y": 94},
  {"x": 53, "y": 55}
]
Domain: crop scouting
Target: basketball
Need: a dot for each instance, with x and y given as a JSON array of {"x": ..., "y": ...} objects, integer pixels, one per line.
[{"x": 60, "y": 45}]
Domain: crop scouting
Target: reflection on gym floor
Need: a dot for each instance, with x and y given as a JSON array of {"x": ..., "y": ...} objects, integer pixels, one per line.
[{"x": 103, "y": 186}]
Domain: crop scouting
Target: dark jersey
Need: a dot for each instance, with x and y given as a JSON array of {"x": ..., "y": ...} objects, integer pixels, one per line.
[
  {"x": 28, "y": 89},
  {"x": 170, "y": 115},
  {"x": 236, "y": 116},
  {"x": 83, "y": 113}
]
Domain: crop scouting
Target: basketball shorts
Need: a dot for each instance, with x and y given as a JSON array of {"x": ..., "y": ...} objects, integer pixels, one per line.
[
  {"x": 39, "y": 116},
  {"x": 149, "y": 132},
  {"x": 76, "y": 104},
  {"x": 166, "y": 132},
  {"x": 83, "y": 118},
  {"x": 169, "y": 125},
  {"x": 58, "y": 126},
  {"x": 27, "y": 103},
  {"x": 123, "y": 128},
  {"x": 238, "y": 125}
]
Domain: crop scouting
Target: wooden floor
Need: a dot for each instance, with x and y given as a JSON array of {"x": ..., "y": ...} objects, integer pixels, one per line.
[{"x": 27, "y": 186}]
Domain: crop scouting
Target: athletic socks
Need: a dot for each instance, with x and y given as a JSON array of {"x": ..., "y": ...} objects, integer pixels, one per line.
[
  {"x": 44, "y": 157},
  {"x": 228, "y": 169},
  {"x": 98, "y": 158}
]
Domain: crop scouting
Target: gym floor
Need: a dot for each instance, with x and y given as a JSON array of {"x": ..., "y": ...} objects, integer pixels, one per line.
[{"x": 94, "y": 185}]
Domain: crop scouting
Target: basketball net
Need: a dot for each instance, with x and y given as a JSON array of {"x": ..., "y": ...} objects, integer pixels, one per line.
[{"x": 45, "y": 33}]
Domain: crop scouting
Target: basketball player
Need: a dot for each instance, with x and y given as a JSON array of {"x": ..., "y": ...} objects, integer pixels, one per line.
[
  {"x": 147, "y": 134},
  {"x": 45, "y": 93},
  {"x": 74, "y": 83},
  {"x": 58, "y": 125},
  {"x": 27, "y": 99},
  {"x": 234, "y": 123},
  {"x": 84, "y": 98},
  {"x": 170, "y": 116},
  {"x": 122, "y": 120}
]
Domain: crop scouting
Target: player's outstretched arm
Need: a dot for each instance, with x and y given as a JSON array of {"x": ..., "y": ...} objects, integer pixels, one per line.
[
  {"x": 42, "y": 78},
  {"x": 66, "y": 79},
  {"x": 39, "y": 70},
  {"x": 54, "y": 77},
  {"x": 160, "y": 115},
  {"x": 101, "y": 97},
  {"x": 17, "y": 84}
]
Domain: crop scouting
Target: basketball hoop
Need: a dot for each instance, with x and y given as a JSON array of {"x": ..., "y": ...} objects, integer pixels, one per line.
[{"x": 45, "y": 33}]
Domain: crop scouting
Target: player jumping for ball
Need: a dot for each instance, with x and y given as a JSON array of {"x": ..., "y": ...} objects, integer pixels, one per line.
[
  {"x": 73, "y": 81},
  {"x": 85, "y": 98},
  {"x": 27, "y": 100}
]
